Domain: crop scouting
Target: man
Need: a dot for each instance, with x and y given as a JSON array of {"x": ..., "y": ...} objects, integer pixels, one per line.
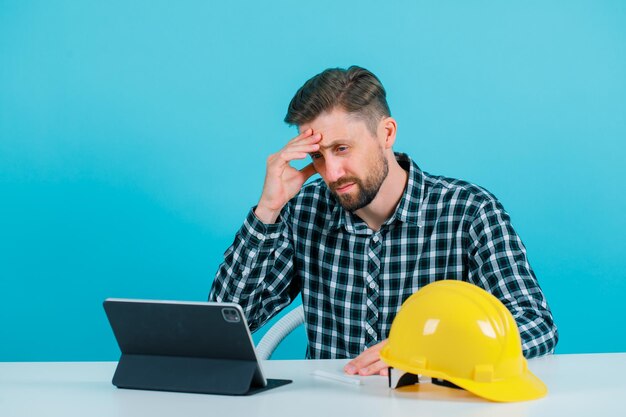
[{"x": 372, "y": 231}]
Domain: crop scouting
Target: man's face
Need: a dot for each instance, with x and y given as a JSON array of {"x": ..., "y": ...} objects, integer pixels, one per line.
[{"x": 351, "y": 159}]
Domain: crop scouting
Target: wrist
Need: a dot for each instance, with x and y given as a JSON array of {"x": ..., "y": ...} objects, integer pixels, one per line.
[{"x": 266, "y": 215}]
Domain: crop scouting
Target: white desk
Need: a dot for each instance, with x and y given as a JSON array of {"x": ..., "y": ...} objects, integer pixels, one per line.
[{"x": 580, "y": 385}]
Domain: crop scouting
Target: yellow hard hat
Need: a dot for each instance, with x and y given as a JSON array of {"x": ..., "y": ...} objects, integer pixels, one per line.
[{"x": 458, "y": 332}]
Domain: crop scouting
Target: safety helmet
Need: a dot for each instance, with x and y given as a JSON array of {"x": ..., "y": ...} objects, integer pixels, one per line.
[{"x": 458, "y": 332}]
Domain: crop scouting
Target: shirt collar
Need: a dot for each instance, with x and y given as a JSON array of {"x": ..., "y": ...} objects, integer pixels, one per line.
[{"x": 407, "y": 210}]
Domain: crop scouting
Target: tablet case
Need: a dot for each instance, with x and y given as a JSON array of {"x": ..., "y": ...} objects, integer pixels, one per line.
[{"x": 185, "y": 347}]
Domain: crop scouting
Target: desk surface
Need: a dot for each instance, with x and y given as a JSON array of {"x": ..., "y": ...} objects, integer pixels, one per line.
[{"x": 579, "y": 385}]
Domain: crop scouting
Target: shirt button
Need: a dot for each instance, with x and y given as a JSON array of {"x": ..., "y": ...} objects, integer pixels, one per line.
[
  {"x": 375, "y": 239},
  {"x": 372, "y": 285},
  {"x": 370, "y": 331}
]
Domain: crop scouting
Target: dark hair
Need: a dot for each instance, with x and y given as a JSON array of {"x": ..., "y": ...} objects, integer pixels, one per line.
[{"x": 355, "y": 90}]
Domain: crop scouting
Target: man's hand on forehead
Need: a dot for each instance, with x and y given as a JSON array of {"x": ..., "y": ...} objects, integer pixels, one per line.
[{"x": 282, "y": 181}]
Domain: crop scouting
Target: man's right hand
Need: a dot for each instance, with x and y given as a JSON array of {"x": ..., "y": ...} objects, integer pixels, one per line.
[{"x": 282, "y": 181}]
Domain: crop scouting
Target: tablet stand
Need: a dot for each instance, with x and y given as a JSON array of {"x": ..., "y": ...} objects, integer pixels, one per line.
[{"x": 188, "y": 374}]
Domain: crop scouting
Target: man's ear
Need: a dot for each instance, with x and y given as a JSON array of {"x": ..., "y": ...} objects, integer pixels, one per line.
[{"x": 387, "y": 129}]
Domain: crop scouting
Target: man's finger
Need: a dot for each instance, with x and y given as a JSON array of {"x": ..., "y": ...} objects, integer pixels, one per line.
[
  {"x": 362, "y": 361},
  {"x": 290, "y": 156},
  {"x": 302, "y": 147},
  {"x": 365, "y": 359},
  {"x": 303, "y": 135},
  {"x": 373, "y": 369}
]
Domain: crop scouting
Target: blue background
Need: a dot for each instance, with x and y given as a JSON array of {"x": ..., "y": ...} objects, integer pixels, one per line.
[{"x": 133, "y": 139}]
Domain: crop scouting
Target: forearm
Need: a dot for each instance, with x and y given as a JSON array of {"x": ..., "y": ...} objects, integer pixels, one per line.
[
  {"x": 500, "y": 265},
  {"x": 519, "y": 291},
  {"x": 256, "y": 272},
  {"x": 538, "y": 332},
  {"x": 521, "y": 294}
]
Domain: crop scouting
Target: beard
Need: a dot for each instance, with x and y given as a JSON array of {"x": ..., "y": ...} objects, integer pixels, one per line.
[{"x": 366, "y": 189}]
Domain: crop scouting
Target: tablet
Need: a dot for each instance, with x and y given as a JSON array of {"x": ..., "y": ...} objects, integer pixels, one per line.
[{"x": 199, "y": 347}]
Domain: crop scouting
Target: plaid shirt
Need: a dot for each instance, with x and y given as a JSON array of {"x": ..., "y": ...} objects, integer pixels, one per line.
[{"x": 353, "y": 279}]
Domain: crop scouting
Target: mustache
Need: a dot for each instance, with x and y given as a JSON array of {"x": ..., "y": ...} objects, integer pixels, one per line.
[{"x": 342, "y": 182}]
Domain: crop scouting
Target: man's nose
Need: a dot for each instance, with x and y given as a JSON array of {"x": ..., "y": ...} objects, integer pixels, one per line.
[{"x": 334, "y": 169}]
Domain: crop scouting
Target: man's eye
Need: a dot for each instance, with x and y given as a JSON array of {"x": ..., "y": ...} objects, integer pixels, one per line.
[
  {"x": 342, "y": 148},
  {"x": 316, "y": 155}
]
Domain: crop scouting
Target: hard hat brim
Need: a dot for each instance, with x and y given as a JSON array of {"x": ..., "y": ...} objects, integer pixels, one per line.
[{"x": 525, "y": 387}]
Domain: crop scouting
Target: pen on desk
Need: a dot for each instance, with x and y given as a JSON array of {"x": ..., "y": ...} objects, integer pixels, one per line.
[{"x": 336, "y": 377}]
